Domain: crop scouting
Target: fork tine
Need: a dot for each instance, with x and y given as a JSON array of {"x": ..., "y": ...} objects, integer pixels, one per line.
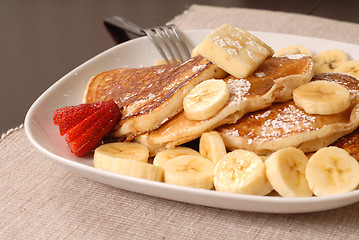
[
  {"x": 168, "y": 42},
  {"x": 165, "y": 40},
  {"x": 179, "y": 39},
  {"x": 169, "y": 33},
  {"x": 154, "y": 40}
]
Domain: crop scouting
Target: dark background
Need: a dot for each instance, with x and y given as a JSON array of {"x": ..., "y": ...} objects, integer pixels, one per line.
[{"x": 41, "y": 41}]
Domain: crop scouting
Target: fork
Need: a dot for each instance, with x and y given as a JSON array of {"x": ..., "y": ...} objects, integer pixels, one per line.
[{"x": 166, "y": 38}]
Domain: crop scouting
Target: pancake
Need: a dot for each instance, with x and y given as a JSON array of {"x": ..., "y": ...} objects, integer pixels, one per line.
[
  {"x": 149, "y": 96},
  {"x": 285, "y": 125},
  {"x": 273, "y": 81},
  {"x": 349, "y": 143}
]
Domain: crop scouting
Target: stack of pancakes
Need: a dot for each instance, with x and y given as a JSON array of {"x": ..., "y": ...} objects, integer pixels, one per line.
[{"x": 259, "y": 116}]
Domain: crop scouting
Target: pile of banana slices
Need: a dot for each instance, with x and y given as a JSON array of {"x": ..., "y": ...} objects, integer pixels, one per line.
[
  {"x": 288, "y": 171},
  {"x": 327, "y": 61}
]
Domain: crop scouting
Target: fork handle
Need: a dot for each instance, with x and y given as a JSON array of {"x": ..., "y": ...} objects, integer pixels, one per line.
[{"x": 125, "y": 25}]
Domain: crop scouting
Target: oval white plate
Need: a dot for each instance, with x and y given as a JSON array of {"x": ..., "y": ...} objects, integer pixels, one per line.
[{"x": 137, "y": 53}]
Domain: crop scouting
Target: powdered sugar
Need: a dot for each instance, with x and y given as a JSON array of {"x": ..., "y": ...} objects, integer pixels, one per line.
[
  {"x": 288, "y": 120},
  {"x": 296, "y": 56},
  {"x": 238, "y": 88},
  {"x": 260, "y": 74}
]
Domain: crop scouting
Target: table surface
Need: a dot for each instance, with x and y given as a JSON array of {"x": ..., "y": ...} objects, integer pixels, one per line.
[{"x": 43, "y": 40}]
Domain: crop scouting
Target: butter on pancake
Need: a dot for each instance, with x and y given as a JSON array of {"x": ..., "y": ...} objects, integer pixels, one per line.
[{"x": 286, "y": 125}]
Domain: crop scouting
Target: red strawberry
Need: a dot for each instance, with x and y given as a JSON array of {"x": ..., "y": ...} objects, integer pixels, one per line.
[
  {"x": 68, "y": 117},
  {"x": 87, "y": 124}
]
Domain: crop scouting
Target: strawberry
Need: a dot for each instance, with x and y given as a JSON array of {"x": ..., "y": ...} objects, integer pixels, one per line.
[
  {"x": 68, "y": 117},
  {"x": 85, "y": 125}
]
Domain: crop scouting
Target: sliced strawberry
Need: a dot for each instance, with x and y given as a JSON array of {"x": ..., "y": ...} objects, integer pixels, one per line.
[
  {"x": 90, "y": 139},
  {"x": 88, "y": 124},
  {"x": 68, "y": 117}
]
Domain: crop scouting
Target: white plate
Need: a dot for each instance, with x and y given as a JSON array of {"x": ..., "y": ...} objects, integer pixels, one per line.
[{"x": 140, "y": 52}]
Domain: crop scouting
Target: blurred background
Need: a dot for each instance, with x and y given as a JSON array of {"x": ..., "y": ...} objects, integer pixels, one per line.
[{"x": 42, "y": 40}]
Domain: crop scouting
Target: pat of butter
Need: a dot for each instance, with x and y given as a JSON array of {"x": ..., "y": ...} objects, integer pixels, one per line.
[{"x": 236, "y": 51}]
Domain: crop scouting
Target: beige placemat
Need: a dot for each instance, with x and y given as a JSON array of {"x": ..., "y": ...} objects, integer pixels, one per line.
[
  {"x": 41, "y": 200},
  {"x": 208, "y": 17}
]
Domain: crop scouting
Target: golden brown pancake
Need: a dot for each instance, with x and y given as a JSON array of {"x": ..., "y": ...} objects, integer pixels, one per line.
[
  {"x": 273, "y": 81},
  {"x": 349, "y": 143},
  {"x": 149, "y": 96},
  {"x": 286, "y": 125}
]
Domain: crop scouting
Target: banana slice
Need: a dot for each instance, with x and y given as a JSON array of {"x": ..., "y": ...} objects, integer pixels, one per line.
[
  {"x": 292, "y": 50},
  {"x": 332, "y": 170},
  {"x": 190, "y": 171},
  {"x": 211, "y": 146},
  {"x": 124, "y": 150},
  {"x": 326, "y": 61},
  {"x": 131, "y": 168},
  {"x": 240, "y": 171},
  {"x": 285, "y": 170},
  {"x": 266, "y": 189},
  {"x": 195, "y": 52},
  {"x": 236, "y": 51},
  {"x": 162, "y": 157},
  {"x": 130, "y": 159},
  {"x": 163, "y": 61},
  {"x": 322, "y": 97},
  {"x": 204, "y": 100},
  {"x": 349, "y": 67}
]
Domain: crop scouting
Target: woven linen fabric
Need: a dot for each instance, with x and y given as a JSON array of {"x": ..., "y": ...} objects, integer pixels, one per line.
[
  {"x": 41, "y": 200},
  {"x": 208, "y": 17}
]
